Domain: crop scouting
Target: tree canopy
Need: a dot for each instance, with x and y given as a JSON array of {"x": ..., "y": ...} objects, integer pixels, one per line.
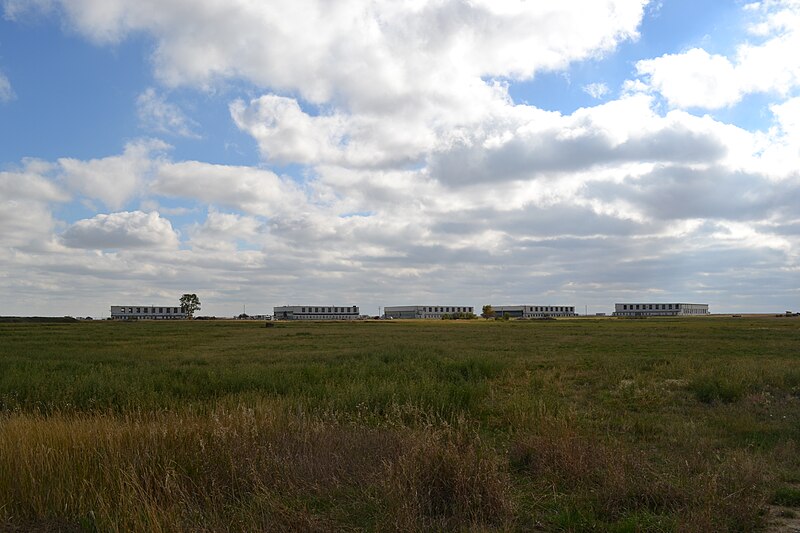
[{"x": 190, "y": 303}]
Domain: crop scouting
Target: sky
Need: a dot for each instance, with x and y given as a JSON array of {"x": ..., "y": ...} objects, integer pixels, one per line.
[{"x": 398, "y": 152}]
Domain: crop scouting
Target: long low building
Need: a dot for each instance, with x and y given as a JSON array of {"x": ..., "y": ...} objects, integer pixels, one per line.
[
  {"x": 425, "y": 311},
  {"x": 147, "y": 312},
  {"x": 660, "y": 309},
  {"x": 315, "y": 312},
  {"x": 534, "y": 311}
]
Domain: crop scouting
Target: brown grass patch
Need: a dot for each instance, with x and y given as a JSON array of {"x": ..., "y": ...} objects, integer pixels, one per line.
[
  {"x": 241, "y": 470},
  {"x": 708, "y": 493}
]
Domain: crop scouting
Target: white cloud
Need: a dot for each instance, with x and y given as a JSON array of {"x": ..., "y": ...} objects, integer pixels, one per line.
[
  {"x": 696, "y": 78},
  {"x": 6, "y": 91},
  {"x": 365, "y": 55},
  {"x": 16, "y": 9},
  {"x": 124, "y": 230},
  {"x": 116, "y": 179},
  {"x": 421, "y": 178},
  {"x": 31, "y": 183},
  {"x": 158, "y": 115},
  {"x": 25, "y": 198},
  {"x": 286, "y": 134},
  {"x": 548, "y": 145},
  {"x": 224, "y": 231},
  {"x": 596, "y": 90},
  {"x": 787, "y": 116},
  {"x": 248, "y": 189}
]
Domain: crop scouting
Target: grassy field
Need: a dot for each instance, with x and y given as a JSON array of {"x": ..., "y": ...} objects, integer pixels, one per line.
[{"x": 567, "y": 425}]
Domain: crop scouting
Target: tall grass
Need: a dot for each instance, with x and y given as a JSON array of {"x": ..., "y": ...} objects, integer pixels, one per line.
[
  {"x": 657, "y": 425},
  {"x": 245, "y": 469}
]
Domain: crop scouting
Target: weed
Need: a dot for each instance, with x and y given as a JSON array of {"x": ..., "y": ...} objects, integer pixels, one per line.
[{"x": 787, "y": 496}]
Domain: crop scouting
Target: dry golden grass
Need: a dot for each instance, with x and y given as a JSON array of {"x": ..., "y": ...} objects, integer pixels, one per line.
[
  {"x": 244, "y": 469},
  {"x": 655, "y": 425}
]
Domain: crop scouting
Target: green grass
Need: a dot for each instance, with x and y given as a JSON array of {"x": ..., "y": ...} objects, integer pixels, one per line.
[
  {"x": 787, "y": 496},
  {"x": 617, "y": 425}
]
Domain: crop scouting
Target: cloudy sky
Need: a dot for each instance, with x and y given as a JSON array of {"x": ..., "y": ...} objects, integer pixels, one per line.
[{"x": 389, "y": 152}]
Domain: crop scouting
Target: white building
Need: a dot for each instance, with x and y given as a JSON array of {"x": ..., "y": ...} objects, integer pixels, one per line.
[
  {"x": 425, "y": 311},
  {"x": 148, "y": 312},
  {"x": 659, "y": 309},
  {"x": 534, "y": 311},
  {"x": 315, "y": 312}
]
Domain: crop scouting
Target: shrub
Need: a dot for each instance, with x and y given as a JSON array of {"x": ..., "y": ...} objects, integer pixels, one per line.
[
  {"x": 445, "y": 481},
  {"x": 709, "y": 389},
  {"x": 787, "y": 496}
]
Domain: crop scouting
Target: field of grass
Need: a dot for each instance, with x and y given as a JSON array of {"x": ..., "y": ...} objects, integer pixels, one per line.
[{"x": 567, "y": 425}]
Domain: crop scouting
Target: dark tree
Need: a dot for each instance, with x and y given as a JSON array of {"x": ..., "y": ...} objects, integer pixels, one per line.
[{"x": 189, "y": 304}]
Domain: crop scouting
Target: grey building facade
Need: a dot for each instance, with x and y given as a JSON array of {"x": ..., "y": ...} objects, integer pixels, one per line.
[
  {"x": 315, "y": 312},
  {"x": 425, "y": 311},
  {"x": 660, "y": 309},
  {"x": 534, "y": 311},
  {"x": 147, "y": 312}
]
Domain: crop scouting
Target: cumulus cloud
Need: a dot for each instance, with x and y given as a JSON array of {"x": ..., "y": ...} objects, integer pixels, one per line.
[
  {"x": 420, "y": 177},
  {"x": 157, "y": 114},
  {"x": 787, "y": 116},
  {"x": 596, "y": 90},
  {"x": 366, "y": 55},
  {"x": 31, "y": 182},
  {"x": 225, "y": 231},
  {"x": 696, "y": 78},
  {"x": 26, "y": 195},
  {"x": 115, "y": 179},
  {"x": 6, "y": 92},
  {"x": 248, "y": 189},
  {"x": 616, "y": 133},
  {"x": 287, "y": 134},
  {"x": 124, "y": 230}
]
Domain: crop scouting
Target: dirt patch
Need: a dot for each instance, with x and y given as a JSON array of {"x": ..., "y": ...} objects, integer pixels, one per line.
[
  {"x": 782, "y": 519},
  {"x": 783, "y": 516}
]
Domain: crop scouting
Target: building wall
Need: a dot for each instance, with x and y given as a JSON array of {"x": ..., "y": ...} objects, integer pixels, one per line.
[
  {"x": 147, "y": 312},
  {"x": 316, "y": 312},
  {"x": 660, "y": 309},
  {"x": 534, "y": 311},
  {"x": 425, "y": 311}
]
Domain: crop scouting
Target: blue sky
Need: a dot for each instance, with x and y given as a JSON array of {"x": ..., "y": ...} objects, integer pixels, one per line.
[{"x": 494, "y": 152}]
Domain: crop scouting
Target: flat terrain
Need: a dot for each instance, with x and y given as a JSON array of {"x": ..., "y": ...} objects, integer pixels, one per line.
[{"x": 566, "y": 425}]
